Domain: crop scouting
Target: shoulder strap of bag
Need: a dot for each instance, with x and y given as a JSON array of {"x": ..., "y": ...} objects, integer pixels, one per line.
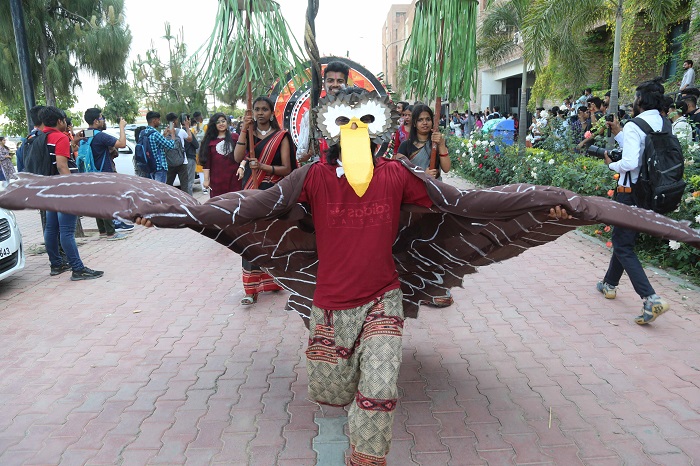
[{"x": 643, "y": 125}]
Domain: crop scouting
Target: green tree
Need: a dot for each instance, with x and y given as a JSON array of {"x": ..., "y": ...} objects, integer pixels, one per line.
[
  {"x": 120, "y": 101},
  {"x": 14, "y": 112},
  {"x": 574, "y": 19},
  {"x": 501, "y": 35},
  {"x": 171, "y": 85},
  {"x": 17, "y": 124},
  {"x": 64, "y": 37},
  {"x": 236, "y": 112}
]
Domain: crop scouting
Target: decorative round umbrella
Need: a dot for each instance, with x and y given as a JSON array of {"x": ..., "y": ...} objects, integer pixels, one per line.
[{"x": 292, "y": 96}]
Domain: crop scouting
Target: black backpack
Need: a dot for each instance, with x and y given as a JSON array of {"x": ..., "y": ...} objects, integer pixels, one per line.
[
  {"x": 36, "y": 156},
  {"x": 144, "y": 159},
  {"x": 660, "y": 185},
  {"x": 175, "y": 156}
]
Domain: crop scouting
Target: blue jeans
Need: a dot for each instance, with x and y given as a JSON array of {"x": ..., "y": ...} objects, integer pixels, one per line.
[
  {"x": 160, "y": 175},
  {"x": 60, "y": 226},
  {"x": 624, "y": 258}
]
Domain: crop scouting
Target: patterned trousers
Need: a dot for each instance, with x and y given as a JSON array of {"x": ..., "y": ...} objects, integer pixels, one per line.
[{"x": 355, "y": 355}]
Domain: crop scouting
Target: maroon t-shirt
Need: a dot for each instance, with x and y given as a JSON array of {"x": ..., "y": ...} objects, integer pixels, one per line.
[
  {"x": 222, "y": 177},
  {"x": 354, "y": 235}
]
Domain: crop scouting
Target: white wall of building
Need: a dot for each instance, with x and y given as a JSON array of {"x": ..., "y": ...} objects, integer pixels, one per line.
[{"x": 493, "y": 80}]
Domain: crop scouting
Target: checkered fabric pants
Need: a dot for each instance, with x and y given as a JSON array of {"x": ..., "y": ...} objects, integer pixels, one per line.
[{"x": 355, "y": 355}]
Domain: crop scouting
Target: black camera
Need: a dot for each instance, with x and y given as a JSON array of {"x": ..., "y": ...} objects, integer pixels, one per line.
[
  {"x": 599, "y": 152},
  {"x": 610, "y": 117}
]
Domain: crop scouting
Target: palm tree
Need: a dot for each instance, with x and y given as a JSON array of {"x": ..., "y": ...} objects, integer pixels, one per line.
[
  {"x": 500, "y": 36},
  {"x": 575, "y": 19}
]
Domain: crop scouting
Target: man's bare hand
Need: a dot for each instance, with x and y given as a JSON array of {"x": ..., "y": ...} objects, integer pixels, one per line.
[
  {"x": 614, "y": 126},
  {"x": 143, "y": 222},
  {"x": 557, "y": 213}
]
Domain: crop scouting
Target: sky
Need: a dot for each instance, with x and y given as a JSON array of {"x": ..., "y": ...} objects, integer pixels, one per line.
[{"x": 342, "y": 28}]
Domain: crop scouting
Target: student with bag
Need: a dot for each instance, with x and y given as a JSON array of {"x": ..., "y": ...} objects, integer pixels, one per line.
[
  {"x": 156, "y": 146},
  {"x": 93, "y": 156},
  {"x": 54, "y": 158},
  {"x": 643, "y": 139}
]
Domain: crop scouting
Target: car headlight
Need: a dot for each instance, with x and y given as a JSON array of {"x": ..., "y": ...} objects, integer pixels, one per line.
[{"x": 13, "y": 219}]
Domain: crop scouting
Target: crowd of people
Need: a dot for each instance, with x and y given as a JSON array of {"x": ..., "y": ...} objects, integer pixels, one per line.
[
  {"x": 64, "y": 148},
  {"x": 575, "y": 124},
  {"x": 577, "y": 127}
]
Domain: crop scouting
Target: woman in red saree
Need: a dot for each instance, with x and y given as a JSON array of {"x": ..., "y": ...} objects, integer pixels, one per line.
[{"x": 270, "y": 163}]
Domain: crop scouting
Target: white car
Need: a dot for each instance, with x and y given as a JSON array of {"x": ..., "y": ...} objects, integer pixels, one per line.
[
  {"x": 125, "y": 161},
  {"x": 11, "y": 249}
]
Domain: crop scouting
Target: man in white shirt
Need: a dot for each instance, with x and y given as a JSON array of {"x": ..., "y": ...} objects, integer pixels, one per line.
[
  {"x": 688, "y": 77},
  {"x": 182, "y": 172},
  {"x": 648, "y": 101}
]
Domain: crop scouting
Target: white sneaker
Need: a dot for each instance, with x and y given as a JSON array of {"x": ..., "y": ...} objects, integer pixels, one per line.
[{"x": 116, "y": 237}]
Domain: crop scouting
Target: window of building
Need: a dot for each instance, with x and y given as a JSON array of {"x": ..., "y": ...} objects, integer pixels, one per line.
[{"x": 675, "y": 37}]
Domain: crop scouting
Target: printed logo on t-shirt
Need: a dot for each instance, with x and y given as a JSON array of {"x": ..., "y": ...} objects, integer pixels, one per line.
[{"x": 359, "y": 215}]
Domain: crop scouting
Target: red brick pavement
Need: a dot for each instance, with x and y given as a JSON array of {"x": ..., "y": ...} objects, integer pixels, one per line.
[{"x": 196, "y": 378}]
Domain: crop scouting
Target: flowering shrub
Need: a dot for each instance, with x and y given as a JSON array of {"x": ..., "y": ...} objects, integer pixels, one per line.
[{"x": 481, "y": 160}]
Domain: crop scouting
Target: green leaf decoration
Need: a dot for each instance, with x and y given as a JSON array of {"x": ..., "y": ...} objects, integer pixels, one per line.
[
  {"x": 273, "y": 51},
  {"x": 440, "y": 53}
]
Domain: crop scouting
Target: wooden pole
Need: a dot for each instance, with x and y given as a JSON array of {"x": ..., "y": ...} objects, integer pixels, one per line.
[
  {"x": 249, "y": 97},
  {"x": 315, "y": 67},
  {"x": 438, "y": 99}
]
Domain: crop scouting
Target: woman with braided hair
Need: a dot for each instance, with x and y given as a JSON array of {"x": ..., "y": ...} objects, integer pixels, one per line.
[{"x": 267, "y": 166}]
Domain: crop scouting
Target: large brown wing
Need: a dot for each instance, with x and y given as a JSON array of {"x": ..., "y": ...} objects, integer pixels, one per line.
[{"x": 433, "y": 251}]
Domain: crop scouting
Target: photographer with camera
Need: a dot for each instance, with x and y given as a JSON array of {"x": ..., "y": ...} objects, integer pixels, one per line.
[{"x": 631, "y": 138}]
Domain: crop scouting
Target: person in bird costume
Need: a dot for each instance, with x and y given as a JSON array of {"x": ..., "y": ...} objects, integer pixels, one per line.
[{"x": 358, "y": 241}]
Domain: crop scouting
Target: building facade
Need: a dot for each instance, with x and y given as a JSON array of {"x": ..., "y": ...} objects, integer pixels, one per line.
[{"x": 395, "y": 32}]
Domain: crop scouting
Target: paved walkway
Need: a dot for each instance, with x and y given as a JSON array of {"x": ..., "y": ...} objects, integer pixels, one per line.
[{"x": 157, "y": 363}]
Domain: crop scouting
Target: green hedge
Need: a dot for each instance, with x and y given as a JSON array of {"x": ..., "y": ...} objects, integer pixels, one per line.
[{"x": 476, "y": 159}]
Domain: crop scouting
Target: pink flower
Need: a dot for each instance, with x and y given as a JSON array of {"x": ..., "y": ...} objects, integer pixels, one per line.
[
  {"x": 481, "y": 165},
  {"x": 587, "y": 134},
  {"x": 498, "y": 171}
]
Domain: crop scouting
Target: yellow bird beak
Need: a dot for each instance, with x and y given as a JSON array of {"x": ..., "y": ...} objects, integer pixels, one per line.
[{"x": 356, "y": 155}]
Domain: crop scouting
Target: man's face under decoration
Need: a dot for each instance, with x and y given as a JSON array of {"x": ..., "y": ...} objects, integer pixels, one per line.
[
  {"x": 352, "y": 120},
  {"x": 334, "y": 82}
]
